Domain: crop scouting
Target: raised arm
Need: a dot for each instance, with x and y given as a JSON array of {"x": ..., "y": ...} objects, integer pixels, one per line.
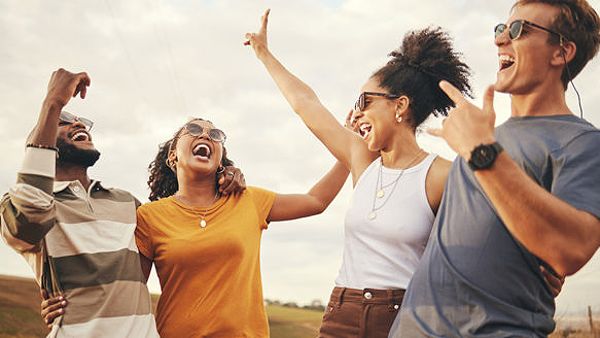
[
  {"x": 27, "y": 210},
  {"x": 292, "y": 206},
  {"x": 345, "y": 145}
]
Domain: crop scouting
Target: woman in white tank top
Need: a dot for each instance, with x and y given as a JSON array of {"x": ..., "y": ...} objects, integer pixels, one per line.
[{"x": 397, "y": 185}]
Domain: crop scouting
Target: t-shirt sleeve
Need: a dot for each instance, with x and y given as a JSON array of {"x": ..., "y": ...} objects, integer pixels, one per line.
[
  {"x": 263, "y": 202},
  {"x": 577, "y": 173},
  {"x": 143, "y": 238}
]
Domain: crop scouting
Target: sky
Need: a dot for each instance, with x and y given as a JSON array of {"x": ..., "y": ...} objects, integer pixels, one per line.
[{"x": 154, "y": 64}]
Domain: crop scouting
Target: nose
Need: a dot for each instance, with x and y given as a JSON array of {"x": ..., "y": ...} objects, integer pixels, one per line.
[
  {"x": 356, "y": 114},
  {"x": 502, "y": 38},
  {"x": 77, "y": 123}
]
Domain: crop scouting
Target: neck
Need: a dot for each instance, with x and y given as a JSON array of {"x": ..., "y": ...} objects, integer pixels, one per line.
[
  {"x": 71, "y": 172},
  {"x": 402, "y": 150},
  {"x": 196, "y": 191},
  {"x": 546, "y": 100}
]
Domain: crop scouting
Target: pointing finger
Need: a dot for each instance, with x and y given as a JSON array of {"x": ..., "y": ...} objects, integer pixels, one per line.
[
  {"x": 488, "y": 100},
  {"x": 453, "y": 93},
  {"x": 265, "y": 21}
]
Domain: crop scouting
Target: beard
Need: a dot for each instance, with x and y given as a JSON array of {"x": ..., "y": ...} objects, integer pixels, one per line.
[{"x": 69, "y": 154}]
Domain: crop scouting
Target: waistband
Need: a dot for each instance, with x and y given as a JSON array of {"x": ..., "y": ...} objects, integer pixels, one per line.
[{"x": 374, "y": 296}]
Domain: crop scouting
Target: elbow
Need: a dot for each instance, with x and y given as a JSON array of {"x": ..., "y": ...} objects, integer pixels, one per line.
[
  {"x": 302, "y": 103},
  {"x": 575, "y": 256},
  {"x": 572, "y": 261},
  {"x": 320, "y": 207}
]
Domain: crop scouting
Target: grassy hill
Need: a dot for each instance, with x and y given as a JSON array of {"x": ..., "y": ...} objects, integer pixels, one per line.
[{"x": 20, "y": 318}]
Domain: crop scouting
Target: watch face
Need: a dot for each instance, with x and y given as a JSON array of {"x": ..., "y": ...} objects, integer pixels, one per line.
[{"x": 483, "y": 156}]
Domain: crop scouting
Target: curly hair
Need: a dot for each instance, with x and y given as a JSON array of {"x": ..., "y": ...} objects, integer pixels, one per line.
[
  {"x": 163, "y": 180},
  {"x": 577, "y": 22},
  {"x": 424, "y": 58}
]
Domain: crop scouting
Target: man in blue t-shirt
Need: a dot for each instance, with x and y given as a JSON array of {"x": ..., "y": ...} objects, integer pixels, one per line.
[{"x": 524, "y": 194}]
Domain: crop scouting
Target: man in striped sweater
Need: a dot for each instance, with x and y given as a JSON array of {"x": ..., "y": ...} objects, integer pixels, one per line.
[{"x": 77, "y": 235}]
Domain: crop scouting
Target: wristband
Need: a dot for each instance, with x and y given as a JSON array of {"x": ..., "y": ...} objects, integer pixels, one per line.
[{"x": 41, "y": 146}]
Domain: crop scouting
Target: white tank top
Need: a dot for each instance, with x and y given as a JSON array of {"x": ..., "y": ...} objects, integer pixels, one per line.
[{"x": 383, "y": 252}]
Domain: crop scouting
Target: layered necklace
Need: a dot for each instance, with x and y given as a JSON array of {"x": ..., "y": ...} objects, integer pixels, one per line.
[
  {"x": 380, "y": 187},
  {"x": 203, "y": 223}
]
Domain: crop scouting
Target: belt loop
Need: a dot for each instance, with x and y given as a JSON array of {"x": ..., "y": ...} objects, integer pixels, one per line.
[
  {"x": 341, "y": 298},
  {"x": 390, "y": 297}
]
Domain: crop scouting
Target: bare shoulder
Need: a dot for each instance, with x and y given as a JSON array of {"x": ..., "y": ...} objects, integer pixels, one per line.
[
  {"x": 440, "y": 168},
  {"x": 436, "y": 181}
]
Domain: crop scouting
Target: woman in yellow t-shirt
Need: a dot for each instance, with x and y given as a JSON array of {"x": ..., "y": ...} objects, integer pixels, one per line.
[{"x": 206, "y": 247}]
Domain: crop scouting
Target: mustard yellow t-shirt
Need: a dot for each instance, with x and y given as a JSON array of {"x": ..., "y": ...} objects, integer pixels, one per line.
[{"x": 210, "y": 277}]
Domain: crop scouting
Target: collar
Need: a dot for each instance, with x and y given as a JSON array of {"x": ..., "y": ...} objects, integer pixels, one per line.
[{"x": 62, "y": 185}]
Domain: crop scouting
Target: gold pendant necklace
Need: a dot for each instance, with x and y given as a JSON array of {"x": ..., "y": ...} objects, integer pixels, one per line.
[
  {"x": 379, "y": 186},
  {"x": 203, "y": 222}
]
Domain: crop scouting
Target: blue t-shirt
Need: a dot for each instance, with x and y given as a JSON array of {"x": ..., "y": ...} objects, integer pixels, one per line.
[{"x": 475, "y": 279}]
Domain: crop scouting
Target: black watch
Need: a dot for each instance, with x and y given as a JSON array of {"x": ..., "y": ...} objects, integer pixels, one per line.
[{"x": 484, "y": 155}]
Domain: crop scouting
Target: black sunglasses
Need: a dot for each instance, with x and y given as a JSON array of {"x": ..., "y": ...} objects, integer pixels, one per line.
[
  {"x": 515, "y": 29},
  {"x": 361, "y": 104},
  {"x": 214, "y": 134},
  {"x": 68, "y": 118}
]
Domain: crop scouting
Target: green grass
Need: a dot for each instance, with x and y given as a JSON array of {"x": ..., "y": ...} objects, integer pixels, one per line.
[
  {"x": 20, "y": 318},
  {"x": 288, "y": 322}
]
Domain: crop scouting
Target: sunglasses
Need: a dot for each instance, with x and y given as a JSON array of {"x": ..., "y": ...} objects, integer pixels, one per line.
[
  {"x": 197, "y": 130},
  {"x": 515, "y": 29},
  {"x": 361, "y": 104},
  {"x": 68, "y": 118}
]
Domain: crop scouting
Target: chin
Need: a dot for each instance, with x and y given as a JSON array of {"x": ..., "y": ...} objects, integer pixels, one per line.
[
  {"x": 203, "y": 168},
  {"x": 372, "y": 147}
]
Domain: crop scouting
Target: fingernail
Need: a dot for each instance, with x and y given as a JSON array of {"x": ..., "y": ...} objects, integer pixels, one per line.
[
  {"x": 61, "y": 298},
  {"x": 63, "y": 303},
  {"x": 61, "y": 311}
]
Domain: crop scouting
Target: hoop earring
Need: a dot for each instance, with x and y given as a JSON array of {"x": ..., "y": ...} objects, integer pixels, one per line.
[
  {"x": 171, "y": 165},
  {"x": 220, "y": 170}
]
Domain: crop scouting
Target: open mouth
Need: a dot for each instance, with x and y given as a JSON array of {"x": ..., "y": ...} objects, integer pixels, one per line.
[
  {"x": 202, "y": 151},
  {"x": 364, "y": 130},
  {"x": 506, "y": 61},
  {"x": 80, "y": 136}
]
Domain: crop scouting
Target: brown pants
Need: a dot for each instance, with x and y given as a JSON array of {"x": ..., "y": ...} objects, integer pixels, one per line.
[{"x": 367, "y": 313}]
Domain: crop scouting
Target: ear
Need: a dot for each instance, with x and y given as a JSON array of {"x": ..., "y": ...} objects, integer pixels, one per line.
[
  {"x": 566, "y": 51},
  {"x": 172, "y": 160},
  {"x": 402, "y": 104}
]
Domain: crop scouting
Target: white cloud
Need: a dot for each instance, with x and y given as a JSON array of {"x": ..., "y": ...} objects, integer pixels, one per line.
[{"x": 155, "y": 63}]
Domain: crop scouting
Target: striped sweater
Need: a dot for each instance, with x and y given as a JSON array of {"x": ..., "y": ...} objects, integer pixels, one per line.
[{"x": 89, "y": 238}]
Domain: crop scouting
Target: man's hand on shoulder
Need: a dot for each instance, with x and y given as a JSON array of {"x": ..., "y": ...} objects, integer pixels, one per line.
[{"x": 231, "y": 180}]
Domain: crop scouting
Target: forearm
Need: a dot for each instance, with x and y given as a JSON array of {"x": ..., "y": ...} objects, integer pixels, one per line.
[
  {"x": 329, "y": 185},
  {"x": 300, "y": 96},
  {"x": 292, "y": 206},
  {"x": 47, "y": 125},
  {"x": 563, "y": 236}
]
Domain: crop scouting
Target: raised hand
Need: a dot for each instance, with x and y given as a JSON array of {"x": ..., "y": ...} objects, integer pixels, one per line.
[
  {"x": 63, "y": 85},
  {"x": 467, "y": 126},
  {"x": 351, "y": 122},
  {"x": 258, "y": 41}
]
